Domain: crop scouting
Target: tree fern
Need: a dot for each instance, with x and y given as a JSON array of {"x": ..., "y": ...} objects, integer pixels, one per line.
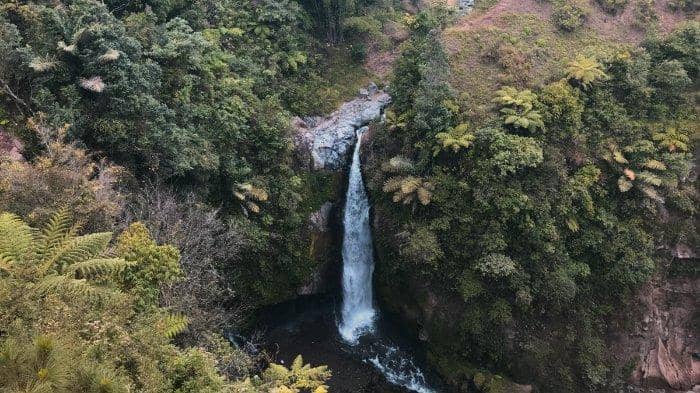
[
  {"x": 585, "y": 70},
  {"x": 54, "y": 233},
  {"x": 456, "y": 139},
  {"x": 672, "y": 139},
  {"x": 78, "y": 249},
  {"x": 250, "y": 196},
  {"x": 517, "y": 108},
  {"x": 398, "y": 164},
  {"x": 409, "y": 190},
  {"x": 53, "y": 260}
]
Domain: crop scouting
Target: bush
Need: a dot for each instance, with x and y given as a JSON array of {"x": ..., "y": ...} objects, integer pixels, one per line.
[
  {"x": 644, "y": 14},
  {"x": 612, "y": 6},
  {"x": 358, "y": 52},
  {"x": 569, "y": 15}
]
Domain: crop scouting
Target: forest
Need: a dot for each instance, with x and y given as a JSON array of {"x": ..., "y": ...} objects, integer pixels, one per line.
[{"x": 532, "y": 185}]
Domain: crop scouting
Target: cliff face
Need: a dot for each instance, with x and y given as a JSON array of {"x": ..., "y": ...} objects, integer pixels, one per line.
[
  {"x": 663, "y": 341},
  {"x": 323, "y": 145}
]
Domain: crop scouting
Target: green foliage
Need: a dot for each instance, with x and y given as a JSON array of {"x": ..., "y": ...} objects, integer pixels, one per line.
[
  {"x": 569, "y": 15},
  {"x": 612, "y": 6},
  {"x": 585, "y": 71},
  {"x": 518, "y": 110},
  {"x": 153, "y": 265},
  {"x": 299, "y": 377},
  {"x": 409, "y": 190},
  {"x": 544, "y": 229},
  {"x": 454, "y": 140},
  {"x": 55, "y": 261}
]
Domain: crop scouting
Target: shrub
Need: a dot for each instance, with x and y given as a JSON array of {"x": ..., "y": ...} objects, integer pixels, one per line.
[
  {"x": 569, "y": 15},
  {"x": 612, "y": 6},
  {"x": 644, "y": 14}
]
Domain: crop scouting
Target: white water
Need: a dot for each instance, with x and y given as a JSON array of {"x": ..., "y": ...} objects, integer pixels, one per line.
[{"x": 358, "y": 314}]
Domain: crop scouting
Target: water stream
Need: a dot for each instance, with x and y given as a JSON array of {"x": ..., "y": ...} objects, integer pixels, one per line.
[{"x": 358, "y": 313}]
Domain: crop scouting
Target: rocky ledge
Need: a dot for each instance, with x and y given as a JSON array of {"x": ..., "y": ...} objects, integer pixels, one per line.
[{"x": 325, "y": 142}]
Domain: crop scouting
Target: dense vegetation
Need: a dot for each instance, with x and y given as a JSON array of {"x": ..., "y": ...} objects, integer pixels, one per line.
[
  {"x": 158, "y": 203},
  {"x": 533, "y": 223}
]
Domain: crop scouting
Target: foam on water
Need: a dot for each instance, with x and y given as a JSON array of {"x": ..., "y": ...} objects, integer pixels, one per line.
[{"x": 358, "y": 314}]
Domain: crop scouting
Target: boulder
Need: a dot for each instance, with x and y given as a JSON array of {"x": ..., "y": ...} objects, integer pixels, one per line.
[{"x": 326, "y": 142}]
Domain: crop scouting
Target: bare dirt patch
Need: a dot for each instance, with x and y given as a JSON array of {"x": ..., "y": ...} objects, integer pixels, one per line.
[{"x": 619, "y": 27}]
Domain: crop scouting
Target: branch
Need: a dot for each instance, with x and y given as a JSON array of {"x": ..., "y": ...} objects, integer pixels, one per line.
[{"x": 12, "y": 95}]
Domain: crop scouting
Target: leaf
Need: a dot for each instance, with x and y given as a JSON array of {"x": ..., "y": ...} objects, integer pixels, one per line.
[
  {"x": 629, "y": 173},
  {"x": 424, "y": 196},
  {"x": 174, "y": 324},
  {"x": 99, "y": 267},
  {"x": 623, "y": 184},
  {"x": 654, "y": 164}
]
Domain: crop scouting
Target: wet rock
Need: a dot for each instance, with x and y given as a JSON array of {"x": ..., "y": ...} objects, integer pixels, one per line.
[
  {"x": 664, "y": 342},
  {"x": 326, "y": 142},
  {"x": 682, "y": 251},
  {"x": 319, "y": 219}
]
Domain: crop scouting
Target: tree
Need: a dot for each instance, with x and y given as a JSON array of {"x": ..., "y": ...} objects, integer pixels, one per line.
[
  {"x": 456, "y": 139},
  {"x": 518, "y": 110},
  {"x": 409, "y": 190},
  {"x": 585, "y": 71},
  {"x": 299, "y": 377},
  {"x": 672, "y": 139}
]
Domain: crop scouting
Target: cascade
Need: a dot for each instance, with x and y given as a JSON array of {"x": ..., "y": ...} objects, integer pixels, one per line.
[{"x": 358, "y": 314}]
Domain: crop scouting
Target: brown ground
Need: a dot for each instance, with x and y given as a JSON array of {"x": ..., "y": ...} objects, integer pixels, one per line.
[{"x": 619, "y": 27}]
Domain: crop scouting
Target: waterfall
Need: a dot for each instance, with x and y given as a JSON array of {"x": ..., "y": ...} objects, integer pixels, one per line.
[{"x": 358, "y": 313}]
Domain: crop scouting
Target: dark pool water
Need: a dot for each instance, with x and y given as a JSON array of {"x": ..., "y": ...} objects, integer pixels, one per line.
[{"x": 308, "y": 327}]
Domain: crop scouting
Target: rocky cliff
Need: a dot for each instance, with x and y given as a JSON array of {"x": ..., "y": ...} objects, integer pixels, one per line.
[{"x": 323, "y": 145}]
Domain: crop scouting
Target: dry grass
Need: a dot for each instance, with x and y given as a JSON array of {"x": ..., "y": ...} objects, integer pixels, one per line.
[{"x": 515, "y": 43}]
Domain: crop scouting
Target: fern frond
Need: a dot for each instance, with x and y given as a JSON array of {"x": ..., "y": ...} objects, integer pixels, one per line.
[
  {"x": 392, "y": 184},
  {"x": 424, "y": 196},
  {"x": 64, "y": 285},
  {"x": 74, "y": 250},
  {"x": 54, "y": 233},
  {"x": 649, "y": 178},
  {"x": 174, "y": 324},
  {"x": 410, "y": 185},
  {"x": 297, "y": 364},
  {"x": 16, "y": 240},
  {"x": 623, "y": 184},
  {"x": 98, "y": 267},
  {"x": 654, "y": 164}
]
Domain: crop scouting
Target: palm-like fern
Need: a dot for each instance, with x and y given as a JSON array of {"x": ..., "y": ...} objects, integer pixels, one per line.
[
  {"x": 250, "y": 197},
  {"x": 517, "y": 108},
  {"x": 672, "y": 139},
  {"x": 298, "y": 377},
  {"x": 456, "y": 139},
  {"x": 398, "y": 164},
  {"x": 585, "y": 70},
  {"x": 54, "y": 260},
  {"x": 641, "y": 172},
  {"x": 409, "y": 190}
]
